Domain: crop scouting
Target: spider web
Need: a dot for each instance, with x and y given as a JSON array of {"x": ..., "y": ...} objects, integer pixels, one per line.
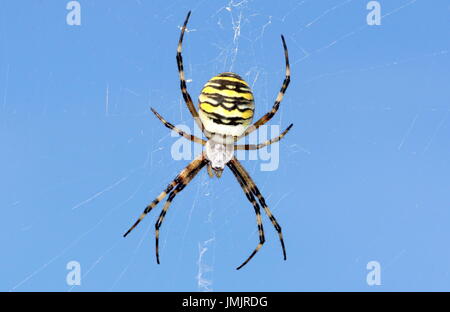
[{"x": 210, "y": 225}]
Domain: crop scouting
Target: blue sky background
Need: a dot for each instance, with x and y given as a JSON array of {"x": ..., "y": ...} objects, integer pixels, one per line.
[{"x": 363, "y": 175}]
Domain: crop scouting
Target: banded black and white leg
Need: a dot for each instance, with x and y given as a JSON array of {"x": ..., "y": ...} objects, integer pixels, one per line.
[
  {"x": 181, "y": 180},
  {"x": 183, "y": 183},
  {"x": 279, "y": 98},
  {"x": 186, "y": 96},
  {"x": 254, "y": 189},
  {"x": 190, "y": 137},
  {"x": 252, "y": 199},
  {"x": 266, "y": 143}
]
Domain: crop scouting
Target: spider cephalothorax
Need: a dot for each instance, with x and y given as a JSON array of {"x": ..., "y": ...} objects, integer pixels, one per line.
[{"x": 225, "y": 114}]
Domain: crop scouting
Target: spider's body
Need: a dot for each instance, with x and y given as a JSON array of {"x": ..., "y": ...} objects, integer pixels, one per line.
[
  {"x": 226, "y": 106},
  {"x": 225, "y": 114},
  {"x": 226, "y": 109}
]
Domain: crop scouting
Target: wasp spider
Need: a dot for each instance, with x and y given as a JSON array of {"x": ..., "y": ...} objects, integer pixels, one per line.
[{"x": 225, "y": 115}]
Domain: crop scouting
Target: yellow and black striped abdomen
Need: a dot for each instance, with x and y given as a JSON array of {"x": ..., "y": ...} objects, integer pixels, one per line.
[{"x": 226, "y": 105}]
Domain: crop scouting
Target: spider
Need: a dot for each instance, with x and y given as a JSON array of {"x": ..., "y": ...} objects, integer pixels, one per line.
[{"x": 225, "y": 115}]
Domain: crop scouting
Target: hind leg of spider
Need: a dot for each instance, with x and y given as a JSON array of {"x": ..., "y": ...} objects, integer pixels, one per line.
[
  {"x": 279, "y": 98},
  {"x": 152, "y": 205},
  {"x": 190, "y": 137},
  {"x": 178, "y": 179},
  {"x": 251, "y": 198},
  {"x": 184, "y": 180},
  {"x": 254, "y": 189},
  {"x": 261, "y": 145}
]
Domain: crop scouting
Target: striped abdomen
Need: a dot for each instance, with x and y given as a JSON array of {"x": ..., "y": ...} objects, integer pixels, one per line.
[{"x": 226, "y": 105}]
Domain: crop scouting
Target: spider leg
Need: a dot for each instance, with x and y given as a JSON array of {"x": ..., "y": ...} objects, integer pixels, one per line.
[
  {"x": 180, "y": 178},
  {"x": 279, "y": 98},
  {"x": 184, "y": 181},
  {"x": 210, "y": 171},
  {"x": 261, "y": 145},
  {"x": 251, "y": 198},
  {"x": 254, "y": 189},
  {"x": 186, "y": 95},
  {"x": 190, "y": 137}
]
